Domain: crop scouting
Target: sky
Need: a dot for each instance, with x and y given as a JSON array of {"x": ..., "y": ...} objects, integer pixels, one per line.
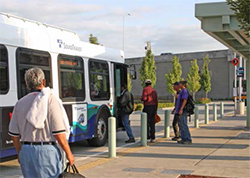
[{"x": 170, "y": 25}]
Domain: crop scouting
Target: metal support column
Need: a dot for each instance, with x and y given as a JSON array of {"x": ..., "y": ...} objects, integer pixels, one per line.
[{"x": 248, "y": 91}]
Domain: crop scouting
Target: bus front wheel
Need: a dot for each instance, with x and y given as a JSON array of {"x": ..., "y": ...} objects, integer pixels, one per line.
[{"x": 102, "y": 133}]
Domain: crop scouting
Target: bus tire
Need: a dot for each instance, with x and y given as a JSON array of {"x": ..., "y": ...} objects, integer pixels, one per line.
[{"x": 101, "y": 130}]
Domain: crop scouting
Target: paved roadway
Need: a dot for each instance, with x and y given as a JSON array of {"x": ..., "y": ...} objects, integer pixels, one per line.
[{"x": 85, "y": 154}]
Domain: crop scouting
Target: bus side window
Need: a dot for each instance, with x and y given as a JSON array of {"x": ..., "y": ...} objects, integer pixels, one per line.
[
  {"x": 4, "y": 77},
  {"x": 28, "y": 58},
  {"x": 71, "y": 75},
  {"x": 99, "y": 80}
]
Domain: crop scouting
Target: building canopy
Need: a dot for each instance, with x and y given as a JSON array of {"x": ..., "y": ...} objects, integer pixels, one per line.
[{"x": 220, "y": 22}]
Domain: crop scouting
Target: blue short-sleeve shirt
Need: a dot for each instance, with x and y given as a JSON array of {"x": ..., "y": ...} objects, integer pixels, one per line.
[{"x": 183, "y": 95}]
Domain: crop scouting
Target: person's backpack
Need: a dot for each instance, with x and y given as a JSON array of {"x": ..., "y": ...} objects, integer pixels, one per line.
[{"x": 190, "y": 106}]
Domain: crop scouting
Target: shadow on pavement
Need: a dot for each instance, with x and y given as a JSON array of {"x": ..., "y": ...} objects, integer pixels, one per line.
[
  {"x": 202, "y": 145},
  {"x": 10, "y": 158},
  {"x": 11, "y": 171},
  {"x": 214, "y": 137},
  {"x": 179, "y": 156},
  {"x": 223, "y": 128}
]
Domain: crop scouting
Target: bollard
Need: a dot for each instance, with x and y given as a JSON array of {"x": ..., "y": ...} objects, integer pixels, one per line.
[
  {"x": 241, "y": 108},
  {"x": 206, "y": 114},
  {"x": 215, "y": 112},
  {"x": 167, "y": 124},
  {"x": 196, "y": 117},
  {"x": 221, "y": 110},
  {"x": 143, "y": 129},
  {"x": 112, "y": 137}
]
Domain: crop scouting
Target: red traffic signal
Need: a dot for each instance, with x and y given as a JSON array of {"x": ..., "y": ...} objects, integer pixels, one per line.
[{"x": 235, "y": 61}]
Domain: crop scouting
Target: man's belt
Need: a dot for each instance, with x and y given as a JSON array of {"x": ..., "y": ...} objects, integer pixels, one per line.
[{"x": 39, "y": 143}]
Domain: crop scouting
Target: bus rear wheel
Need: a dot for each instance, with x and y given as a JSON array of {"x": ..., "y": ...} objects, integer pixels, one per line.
[{"x": 102, "y": 133}]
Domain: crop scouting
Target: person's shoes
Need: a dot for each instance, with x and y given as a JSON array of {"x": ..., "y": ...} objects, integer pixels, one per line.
[
  {"x": 176, "y": 138},
  {"x": 190, "y": 142},
  {"x": 152, "y": 140},
  {"x": 184, "y": 142},
  {"x": 132, "y": 140},
  {"x": 180, "y": 141}
]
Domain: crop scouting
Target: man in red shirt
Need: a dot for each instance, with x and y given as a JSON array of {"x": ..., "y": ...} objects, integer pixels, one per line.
[{"x": 150, "y": 101}]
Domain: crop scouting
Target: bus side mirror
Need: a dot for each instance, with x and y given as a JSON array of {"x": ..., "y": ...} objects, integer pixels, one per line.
[{"x": 132, "y": 72}]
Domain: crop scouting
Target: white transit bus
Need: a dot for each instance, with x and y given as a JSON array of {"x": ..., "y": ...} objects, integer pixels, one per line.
[{"x": 86, "y": 77}]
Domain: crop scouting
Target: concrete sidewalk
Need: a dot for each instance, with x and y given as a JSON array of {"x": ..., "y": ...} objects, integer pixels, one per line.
[{"x": 219, "y": 149}]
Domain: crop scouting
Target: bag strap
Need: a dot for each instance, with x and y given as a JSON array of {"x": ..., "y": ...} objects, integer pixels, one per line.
[
  {"x": 67, "y": 169},
  {"x": 73, "y": 167}
]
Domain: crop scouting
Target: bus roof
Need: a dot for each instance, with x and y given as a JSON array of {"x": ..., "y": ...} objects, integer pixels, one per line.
[{"x": 21, "y": 32}]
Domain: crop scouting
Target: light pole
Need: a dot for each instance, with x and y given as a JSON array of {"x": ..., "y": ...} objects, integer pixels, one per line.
[{"x": 124, "y": 29}]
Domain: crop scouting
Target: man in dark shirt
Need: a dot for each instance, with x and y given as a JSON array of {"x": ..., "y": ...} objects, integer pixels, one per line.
[
  {"x": 180, "y": 108},
  {"x": 125, "y": 109},
  {"x": 150, "y": 101},
  {"x": 176, "y": 114}
]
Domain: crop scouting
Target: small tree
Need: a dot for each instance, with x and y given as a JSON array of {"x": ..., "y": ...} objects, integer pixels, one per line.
[
  {"x": 170, "y": 79},
  {"x": 206, "y": 76},
  {"x": 173, "y": 76},
  {"x": 193, "y": 78},
  {"x": 148, "y": 69},
  {"x": 129, "y": 83},
  {"x": 93, "y": 39},
  {"x": 242, "y": 11}
]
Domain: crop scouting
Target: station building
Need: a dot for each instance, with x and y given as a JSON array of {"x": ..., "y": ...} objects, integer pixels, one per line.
[{"x": 222, "y": 71}]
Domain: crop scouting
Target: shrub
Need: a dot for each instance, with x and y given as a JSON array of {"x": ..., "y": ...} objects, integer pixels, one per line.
[
  {"x": 203, "y": 101},
  {"x": 165, "y": 105},
  {"x": 139, "y": 107}
]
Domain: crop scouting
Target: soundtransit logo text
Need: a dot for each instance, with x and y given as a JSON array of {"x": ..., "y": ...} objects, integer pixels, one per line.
[{"x": 63, "y": 45}]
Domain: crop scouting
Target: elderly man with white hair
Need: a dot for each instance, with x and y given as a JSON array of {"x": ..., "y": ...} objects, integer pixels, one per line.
[{"x": 39, "y": 122}]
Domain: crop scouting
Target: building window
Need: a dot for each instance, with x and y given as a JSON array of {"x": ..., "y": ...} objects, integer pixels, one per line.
[
  {"x": 28, "y": 58},
  {"x": 4, "y": 74},
  {"x": 71, "y": 78},
  {"x": 99, "y": 80}
]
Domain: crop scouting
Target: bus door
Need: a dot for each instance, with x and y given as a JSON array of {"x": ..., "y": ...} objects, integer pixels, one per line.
[{"x": 120, "y": 76}]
